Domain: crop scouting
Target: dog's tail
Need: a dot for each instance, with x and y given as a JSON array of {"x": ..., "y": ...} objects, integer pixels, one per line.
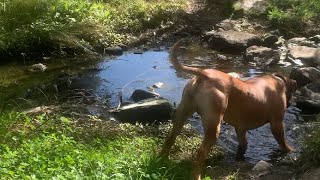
[{"x": 180, "y": 67}]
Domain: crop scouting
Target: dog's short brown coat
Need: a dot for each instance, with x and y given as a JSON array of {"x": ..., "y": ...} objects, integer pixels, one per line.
[{"x": 246, "y": 105}]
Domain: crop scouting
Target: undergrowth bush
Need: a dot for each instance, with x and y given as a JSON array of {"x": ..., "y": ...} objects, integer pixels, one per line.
[
  {"x": 294, "y": 14},
  {"x": 48, "y": 25}
]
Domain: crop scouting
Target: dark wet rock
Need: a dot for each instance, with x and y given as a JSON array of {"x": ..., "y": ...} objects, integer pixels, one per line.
[
  {"x": 117, "y": 51},
  {"x": 308, "y": 55},
  {"x": 145, "y": 111},
  {"x": 37, "y": 68},
  {"x": 252, "y": 5},
  {"x": 231, "y": 41},
  {"x": 140, "y": 94},
  {"x": 311, "y": 175},
  {"x": 275, "y": 32},
  {"x": 305, "y": 75},
  {"x": 262, "y": 55},
  {"x": 123, "y": 47},
  {"x": 270, "y": 41},
  {"x": 315, "y": 39},
  {"x": 309, "y": 99}
]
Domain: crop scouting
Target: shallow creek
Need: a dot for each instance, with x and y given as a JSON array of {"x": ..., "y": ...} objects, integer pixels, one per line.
[{"x": 108, "y": 76}]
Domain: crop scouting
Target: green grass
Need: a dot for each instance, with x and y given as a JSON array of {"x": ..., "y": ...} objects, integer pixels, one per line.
[
  {"x": 64, "y": 26},
  {"x": 46, "y": 147},
  {"x": 310, "y": 157},
  {"x": 58, "y": 156},
  {"x": 294, "y": 14}
]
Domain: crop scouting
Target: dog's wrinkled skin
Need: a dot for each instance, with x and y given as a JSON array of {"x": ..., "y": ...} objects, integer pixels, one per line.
[{"x": 246, "y": 105}]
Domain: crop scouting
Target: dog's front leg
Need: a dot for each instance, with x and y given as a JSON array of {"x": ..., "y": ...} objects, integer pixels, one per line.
[
  {"x": 277, "y": 129},
  {"x": 182, "y": 113},
  {"x": 242, "y": 140}
]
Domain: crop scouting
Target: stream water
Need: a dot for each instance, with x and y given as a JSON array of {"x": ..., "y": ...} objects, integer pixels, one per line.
[{"x": 108, "y": 76}]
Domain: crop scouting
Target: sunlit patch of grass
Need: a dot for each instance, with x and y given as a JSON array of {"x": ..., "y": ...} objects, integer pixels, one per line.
[
  {"x": 294, "y": 14},
  {"x": 77, "y": 25},
  {"x": 46, "y": 146}
]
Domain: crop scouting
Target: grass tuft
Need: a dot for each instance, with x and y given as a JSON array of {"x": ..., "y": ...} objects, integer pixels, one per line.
[{"x": 310, "y": 157}]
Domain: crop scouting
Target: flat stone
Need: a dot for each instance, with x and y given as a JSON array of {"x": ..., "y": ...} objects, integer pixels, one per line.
[
  {"x": 231, "y": 41},
  {"x": 262, "y": 55},
  {"x": 308, "y": 55}
]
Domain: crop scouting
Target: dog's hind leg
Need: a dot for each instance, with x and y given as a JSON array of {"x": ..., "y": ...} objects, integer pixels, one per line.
[
  {"x": 183, "y": 112},
  {"x": 242, "y": 139},
  {"x": 212, "y": 130},
  {"x": 277, "y": 129}
]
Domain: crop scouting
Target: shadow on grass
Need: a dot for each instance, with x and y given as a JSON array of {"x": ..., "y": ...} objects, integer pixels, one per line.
[{"x": 164, "y": 168}]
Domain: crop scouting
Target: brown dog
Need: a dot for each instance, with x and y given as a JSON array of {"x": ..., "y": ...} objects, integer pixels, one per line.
[{"x": 246, "y": 105}]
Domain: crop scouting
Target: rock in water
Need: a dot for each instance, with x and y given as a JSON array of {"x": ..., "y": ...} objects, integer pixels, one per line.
[
  {"x": 145, "y": 111},
  {"x": 140, "y": 94}
]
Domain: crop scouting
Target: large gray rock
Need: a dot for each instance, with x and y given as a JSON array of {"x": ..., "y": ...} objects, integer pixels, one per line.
[
  {"x": 252, "y": 5},
  {"x": 301, "y": 41},
  {"x": 308, "y": 55},
  {"x": 305, "y": 75},
  {"x": 262, "y": 55},
  {"x": 309, "y": 99},
  {"x": 146, "y": 111},
  {"x": 231, "y": 41}
]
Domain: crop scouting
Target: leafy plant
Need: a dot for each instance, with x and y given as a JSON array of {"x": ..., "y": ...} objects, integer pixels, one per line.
[
  {"x": 46, "y": 147},
  {"x": 294, "y": 13},
  {"x": 78, "y": 25},
  {"x": 310, "y": 156}
]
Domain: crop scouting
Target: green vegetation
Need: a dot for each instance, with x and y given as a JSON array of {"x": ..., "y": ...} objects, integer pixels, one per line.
[
  {"x": 294, "y": 11},
  {"x": 294, "y": 14},
  {"x": 62, "y": 26},
  {"x": 310, "y": 157},
  {"x": 45, "y": 147}
]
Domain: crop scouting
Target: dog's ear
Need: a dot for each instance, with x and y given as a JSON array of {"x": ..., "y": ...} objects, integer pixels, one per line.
[
  {"x": 291, "y": 86},
  {"x": 281, "y": 76}
]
